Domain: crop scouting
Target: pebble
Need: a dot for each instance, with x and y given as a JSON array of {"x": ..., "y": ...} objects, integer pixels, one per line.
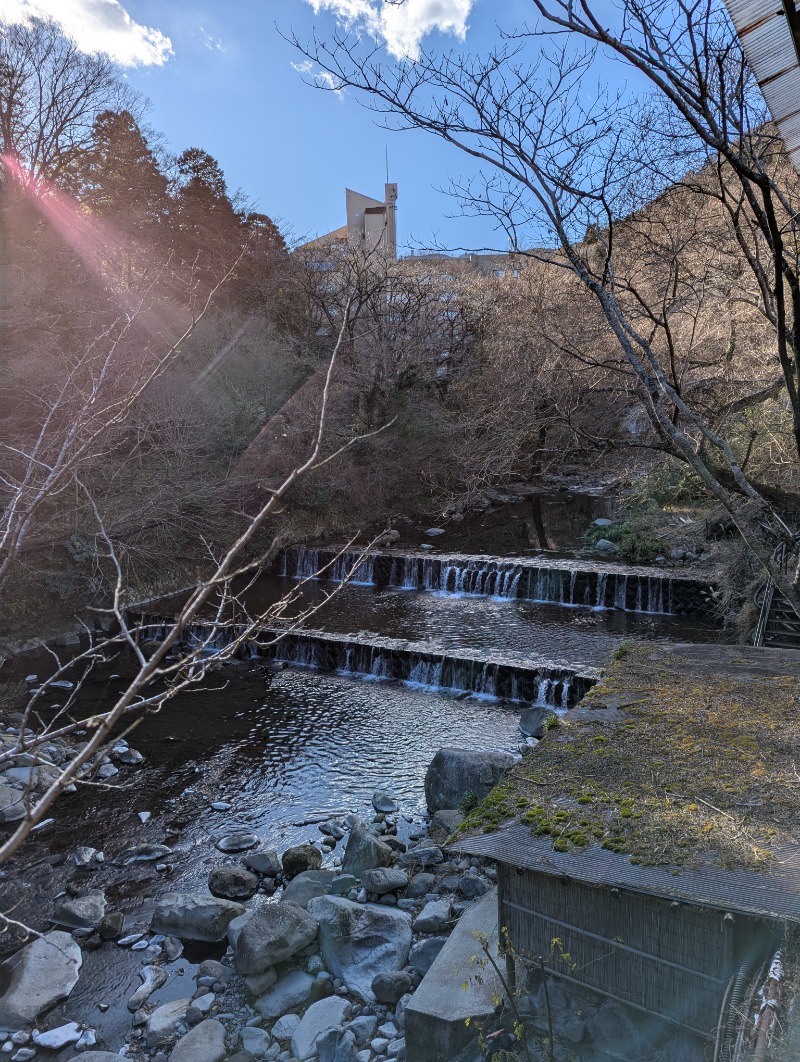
[
  {"x": 203, "y": 1003},
  {"x": 145, "y": 815},
  {"x": 221, "y": 805}
]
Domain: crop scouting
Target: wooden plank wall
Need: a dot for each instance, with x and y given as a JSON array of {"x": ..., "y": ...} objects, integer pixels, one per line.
[{"x": 669, "y": 959}]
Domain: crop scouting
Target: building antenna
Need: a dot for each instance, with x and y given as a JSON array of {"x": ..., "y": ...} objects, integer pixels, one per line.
[{"x": 386, "y": 145}]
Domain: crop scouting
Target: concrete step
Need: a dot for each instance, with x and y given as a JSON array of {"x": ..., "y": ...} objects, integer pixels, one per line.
[{"x": 460, "y": 985}]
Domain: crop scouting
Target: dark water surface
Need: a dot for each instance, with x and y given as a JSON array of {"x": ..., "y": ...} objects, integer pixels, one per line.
[{"x": 573, "y": 636}]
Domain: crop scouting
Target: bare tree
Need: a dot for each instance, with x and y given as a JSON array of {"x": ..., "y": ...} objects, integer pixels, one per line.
[
  {"x": 581, "y": 173},
  {"x": 50, "y": 95},
  {"x": 180, "y": 659}
]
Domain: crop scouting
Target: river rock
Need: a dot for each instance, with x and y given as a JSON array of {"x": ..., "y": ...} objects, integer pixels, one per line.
[
  {"x": 358, "y": 941},
  {"x": 194, "y": 916},
  {"x": 434, "y": 532},
  {"x": 364, "y": 851},
  {"x": 153, "y": 977},
  {"x": 424, "y": 952},
  {"x": 384, "y": 802},
  {"x": 307, "y": 885},
  {"x": 82, "y": 912},
  {"x": 83, "y": 856},
  {"x": 55, "y": 1039},
  {"x": 284, "y": 1027},
  {"x": 446, "y": 821},
  {"x": 454, "y": 773},
  {"x": 317, "y": 1021},
  {"x": 162, "y": 1023},
  {"x": 111, "y": 926},
  {"x": 205, "y": 1043},
  {"x": 435, "y": 917},
  {"x": 37, "y": 976},
  {"x": 265, "y": 862},
  {"x": 339, "y": 1045},
  {"x": 260, "y": 984},
  {"x": 12, "y": 804},
  {"x": 384, "y": 879},
  {"x": 471, "y": 886},
  {"x": 428, "y": 855},
  {"x": 216, "y": 970},
  {"x": 290, "y": 992},
  {"x": 143, "y": 853},
  {"x": 274, "y": 934},
  {"x": 363, "y": 1027},
  {"x": 421, "y": 884},
  {"x": 255, "y": 1041},
  {"x": 237, "y": 841},
  {"x": 95, "y": 1056},
  {"x": 299, "y": 858},
  {"x": 390, "y": 987},
  {"x": 232, "y": 883},
  {"x": 533, "y": 722},
  {"x": 606, "y": 548}
]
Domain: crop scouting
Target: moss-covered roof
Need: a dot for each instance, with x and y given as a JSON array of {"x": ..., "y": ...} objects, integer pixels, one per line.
[{"x": 681, "y": 755}]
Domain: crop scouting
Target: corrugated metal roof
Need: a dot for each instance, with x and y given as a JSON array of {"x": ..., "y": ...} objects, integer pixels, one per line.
[
  {"x": 765, "y": 30},
  {"x": 773, "y": 894}
]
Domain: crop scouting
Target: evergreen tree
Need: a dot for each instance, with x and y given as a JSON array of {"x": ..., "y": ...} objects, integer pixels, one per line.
[{"x": 122, "y": 180}]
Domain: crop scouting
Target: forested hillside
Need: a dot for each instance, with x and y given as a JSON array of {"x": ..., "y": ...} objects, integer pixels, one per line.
[{"x": 164, "y": 354}]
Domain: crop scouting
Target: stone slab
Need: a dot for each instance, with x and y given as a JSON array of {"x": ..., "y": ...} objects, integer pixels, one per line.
[{"x": 437, "y": 1013}]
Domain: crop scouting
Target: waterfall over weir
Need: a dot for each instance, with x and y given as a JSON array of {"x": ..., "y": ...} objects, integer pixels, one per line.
[
  {"x": 629, "y": 589},
  {"x": 533, "y": 682}
]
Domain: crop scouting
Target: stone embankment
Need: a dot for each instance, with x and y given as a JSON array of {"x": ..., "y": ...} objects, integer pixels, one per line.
[{"x": 314, "y": 961}]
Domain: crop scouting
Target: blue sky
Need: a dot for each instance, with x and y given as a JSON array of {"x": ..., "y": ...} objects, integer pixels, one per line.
[{"x": 220, "y": 77}]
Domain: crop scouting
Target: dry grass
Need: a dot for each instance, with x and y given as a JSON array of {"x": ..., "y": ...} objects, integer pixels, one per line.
[{"x": 699, "y": 766}]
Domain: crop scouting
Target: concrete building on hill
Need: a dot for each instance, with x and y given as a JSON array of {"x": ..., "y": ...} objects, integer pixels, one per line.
[{"x": 371, "y": 224}]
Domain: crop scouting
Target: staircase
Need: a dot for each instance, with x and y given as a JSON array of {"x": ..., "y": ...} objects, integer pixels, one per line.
[
  {"x": 782, "y": 625},
  {"x": 778, "y": 624}
]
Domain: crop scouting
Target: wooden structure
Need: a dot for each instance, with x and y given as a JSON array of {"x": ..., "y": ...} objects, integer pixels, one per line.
[{"x": 668, "y": 944}]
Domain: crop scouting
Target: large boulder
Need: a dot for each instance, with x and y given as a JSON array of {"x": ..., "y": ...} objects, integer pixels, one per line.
[
  {"x": 307, "y": 885},
  {"x": 194, "y": 916},
  {"x": 364, "y": 851},
  {"x": 301, "y": 857},
  {"x": 232, "y": 883},
  {"x": 37, "y": 976},
  {"x": 205, "y": 1043},
  {"x": 266, "y": 862},
  {"x": 358, "y": 941},
  {"x": 454, "y": 773},
  {"x": 274, "y": 934},
  {"x": 384, "y": 879},
  {"x": 81, "y": 912}
]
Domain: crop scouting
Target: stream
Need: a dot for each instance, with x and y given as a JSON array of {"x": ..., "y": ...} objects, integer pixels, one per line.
[{"x": 288, "y": 754}]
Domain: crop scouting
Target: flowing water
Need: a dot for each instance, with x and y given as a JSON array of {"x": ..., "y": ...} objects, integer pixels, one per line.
[{"x": 311, "y": 743}]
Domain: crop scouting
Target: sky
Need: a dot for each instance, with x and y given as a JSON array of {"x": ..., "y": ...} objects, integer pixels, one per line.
[{"x": 219, "y": 76}]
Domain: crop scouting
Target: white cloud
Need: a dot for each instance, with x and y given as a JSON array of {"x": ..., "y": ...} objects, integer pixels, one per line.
[
  {"x": 96, "y": 26},
  {"x": 214, "y": 44},
  {"x": 400, "y": 26},
  {"x": 321, "y": 77}
]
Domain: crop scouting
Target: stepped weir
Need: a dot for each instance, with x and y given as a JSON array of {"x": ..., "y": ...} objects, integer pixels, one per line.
[
  {"x": 585, "y": 583},
  {"x": 506, "y": 678}
]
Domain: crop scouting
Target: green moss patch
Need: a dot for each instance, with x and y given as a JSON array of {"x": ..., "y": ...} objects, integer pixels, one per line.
[{"x": 701, "y": 768}]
